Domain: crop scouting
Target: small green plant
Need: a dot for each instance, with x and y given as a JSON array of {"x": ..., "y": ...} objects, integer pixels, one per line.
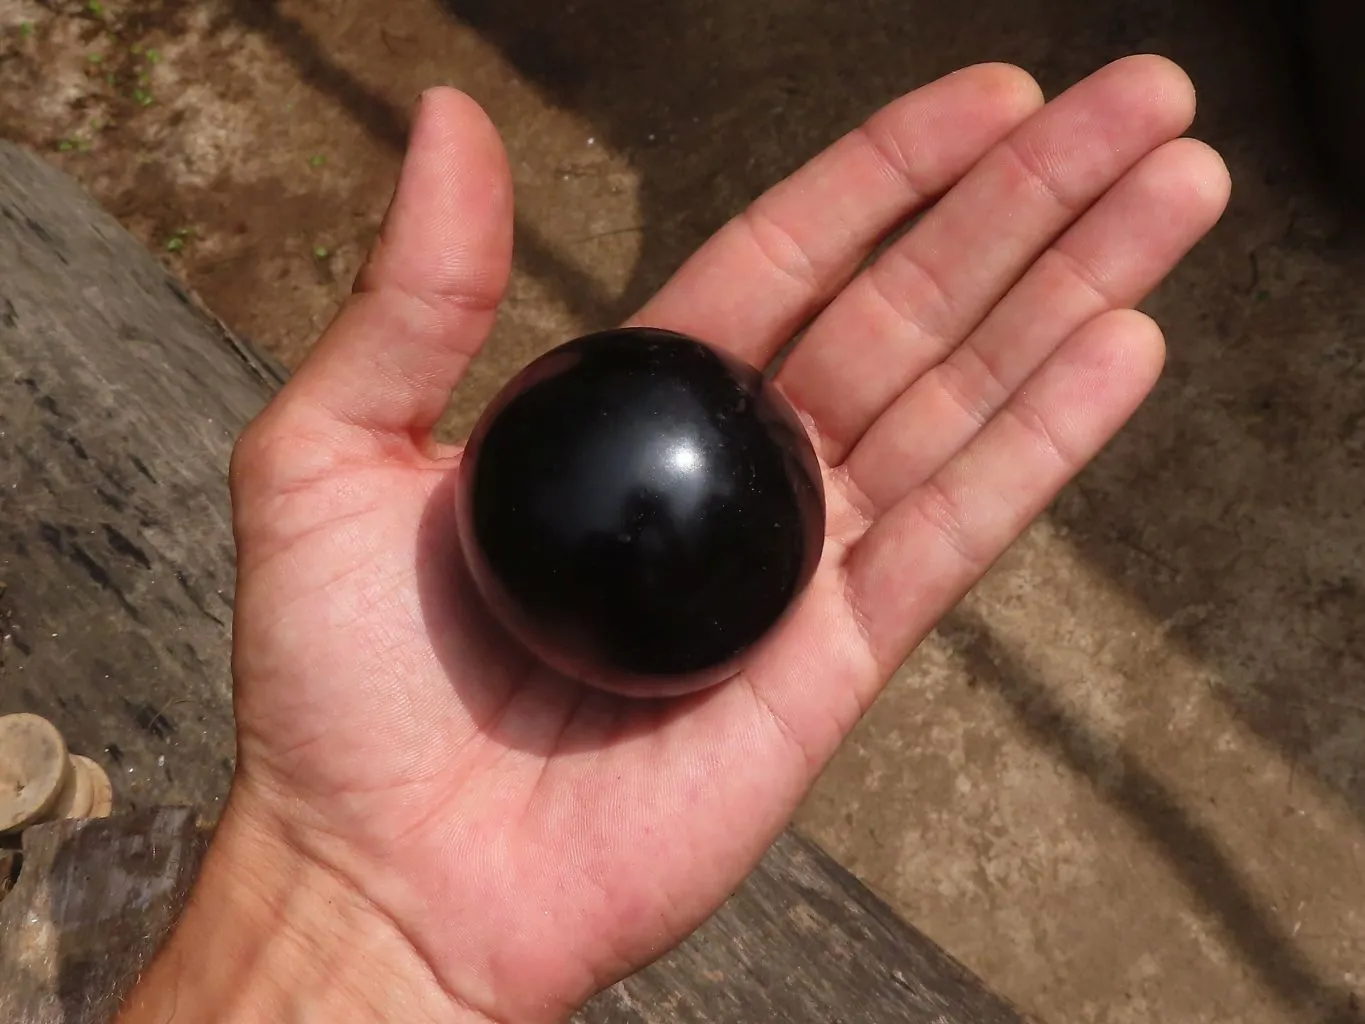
[
  {"x": 142, "y": 97},
  {"x": 317, "y": 160},
  {"x": 153, "y": 56},
  {"x": 26, "y": 29},
  {"x": 178, "y": 238},
  {"x": 95, "y": 58},
  {"x": 321, "y": 252},
  {"x": 95, "y": 7}
]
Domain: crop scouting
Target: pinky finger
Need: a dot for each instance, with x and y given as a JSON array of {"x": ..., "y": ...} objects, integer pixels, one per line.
[{"x": 927, "y": 551}]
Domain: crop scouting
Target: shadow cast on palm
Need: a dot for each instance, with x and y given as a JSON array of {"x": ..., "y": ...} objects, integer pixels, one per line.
[{"x": 447, "y": 595}]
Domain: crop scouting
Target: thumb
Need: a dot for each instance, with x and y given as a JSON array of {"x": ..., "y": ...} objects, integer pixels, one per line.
[{"x": 427, "y": 297}]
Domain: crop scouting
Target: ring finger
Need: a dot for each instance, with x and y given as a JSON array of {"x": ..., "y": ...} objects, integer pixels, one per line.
[{"x": 1110, "y": 259}]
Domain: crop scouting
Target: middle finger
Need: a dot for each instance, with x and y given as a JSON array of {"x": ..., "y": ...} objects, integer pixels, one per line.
[{"x": 917, "y": 302}]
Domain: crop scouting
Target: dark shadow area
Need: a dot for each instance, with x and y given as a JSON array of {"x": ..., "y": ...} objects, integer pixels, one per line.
[
  {"x": 714, "y": 102},
  {"x": 1212, "y": 879},
  {"x": 594, "y": 720},
  {"x": 1231, "y": 505}
]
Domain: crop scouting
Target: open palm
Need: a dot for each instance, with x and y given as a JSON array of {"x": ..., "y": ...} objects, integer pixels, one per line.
[{"x": 534, "y": 840}]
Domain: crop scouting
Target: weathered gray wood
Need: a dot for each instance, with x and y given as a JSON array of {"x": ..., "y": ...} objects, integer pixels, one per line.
[
  {"x": 803, "y": 941},
  {"x": 119, "y": 403},
  {"x": 92, "y": 901}
]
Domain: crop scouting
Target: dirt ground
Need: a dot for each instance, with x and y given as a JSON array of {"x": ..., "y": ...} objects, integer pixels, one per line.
[{"x": 1126, "y": 780}]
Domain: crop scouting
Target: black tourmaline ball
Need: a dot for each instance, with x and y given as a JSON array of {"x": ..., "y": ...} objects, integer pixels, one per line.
[{"x": 639, "y": 509}]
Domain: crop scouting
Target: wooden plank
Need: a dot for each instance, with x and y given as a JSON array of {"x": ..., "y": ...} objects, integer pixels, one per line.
[
  {"x": 120, "y": 399},
  {"x": 119, "y": 404},
  {"x": 82, "y": 883},
  {"x": 803, "y": 941}
]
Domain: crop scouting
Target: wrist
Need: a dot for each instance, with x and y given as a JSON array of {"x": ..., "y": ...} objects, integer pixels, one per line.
[{"x": 269, "y": 934}]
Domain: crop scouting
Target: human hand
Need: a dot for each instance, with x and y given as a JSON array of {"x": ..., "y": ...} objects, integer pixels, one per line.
[{"x": 454, "y": 830}]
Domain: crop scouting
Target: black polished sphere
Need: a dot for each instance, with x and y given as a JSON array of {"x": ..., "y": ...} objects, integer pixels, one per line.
[{"x": 640, "y": 509}]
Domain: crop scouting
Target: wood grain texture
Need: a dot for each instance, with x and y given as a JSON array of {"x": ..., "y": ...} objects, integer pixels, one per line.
[
  {"x": 803, "y": 941},
  {"x": 92, "y": 902},
  {"x": 120, "y": 399},
  {"x": 119, "y": 403}
]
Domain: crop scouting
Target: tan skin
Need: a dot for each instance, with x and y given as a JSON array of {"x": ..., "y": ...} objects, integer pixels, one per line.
[{"x": 425, "y": 824}]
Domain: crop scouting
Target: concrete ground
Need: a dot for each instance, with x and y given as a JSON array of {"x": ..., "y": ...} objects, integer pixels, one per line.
[{"x": 1126, "y": 780}]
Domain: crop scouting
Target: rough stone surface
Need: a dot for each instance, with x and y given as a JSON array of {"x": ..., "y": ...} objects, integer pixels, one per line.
[{"x": 1126, "y": 782}]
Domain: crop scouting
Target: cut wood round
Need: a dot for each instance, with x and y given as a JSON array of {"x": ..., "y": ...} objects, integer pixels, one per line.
[
  {"x": 35, "y": 770},
  {"x": 101, "y": 790},
  {"x": 77, "y": 795}
]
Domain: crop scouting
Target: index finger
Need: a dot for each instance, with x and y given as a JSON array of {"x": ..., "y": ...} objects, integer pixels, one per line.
[{"x": 774, "y": 266}]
